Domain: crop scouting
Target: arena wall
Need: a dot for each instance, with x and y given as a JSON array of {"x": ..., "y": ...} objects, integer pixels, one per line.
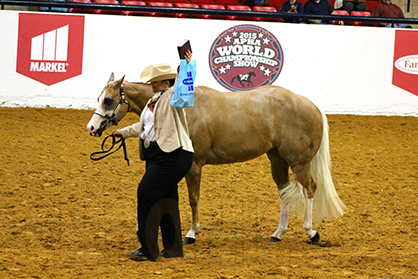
[{"x": 343, "y": 69}]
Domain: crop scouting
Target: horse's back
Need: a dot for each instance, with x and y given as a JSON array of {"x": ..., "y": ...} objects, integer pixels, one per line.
[
  {"x": 266, "y": 102},
  {"x": 237, "y": 126},
  {"x": 278, "y": 95}
]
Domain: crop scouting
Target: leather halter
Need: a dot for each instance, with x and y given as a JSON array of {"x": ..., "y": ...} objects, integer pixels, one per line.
[{"x": 111, "y": 118}]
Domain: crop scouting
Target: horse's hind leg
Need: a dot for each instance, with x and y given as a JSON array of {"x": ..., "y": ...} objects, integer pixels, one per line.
[
  {"x": 304, "y": 179},
  {"x": 284, "y": 217},
  {"x": 193, "y": 185},
  {"x": 280, "y": 173},
  {"x": 307, "y": 225}
]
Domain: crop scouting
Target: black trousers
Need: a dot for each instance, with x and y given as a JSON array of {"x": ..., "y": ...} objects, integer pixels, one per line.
[
  {"x": 158, "y": 200},
  {"x": 350, "y": 6}
]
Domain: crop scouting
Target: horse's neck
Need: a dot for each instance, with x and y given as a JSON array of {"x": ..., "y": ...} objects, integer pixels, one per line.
[{"x": 137, "y": 95}]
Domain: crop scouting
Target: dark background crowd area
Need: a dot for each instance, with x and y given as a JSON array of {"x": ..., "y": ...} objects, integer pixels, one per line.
[{"x": 409, "y": 8}]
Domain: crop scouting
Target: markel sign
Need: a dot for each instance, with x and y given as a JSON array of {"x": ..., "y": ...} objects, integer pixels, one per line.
[{"x": 50, "y": 47}]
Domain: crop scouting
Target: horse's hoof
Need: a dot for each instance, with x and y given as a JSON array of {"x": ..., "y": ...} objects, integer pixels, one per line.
[
  {"x": 315, "y": 239},
  {"x": 189, "y": 240},
  {"x": 274, "y": 239}
]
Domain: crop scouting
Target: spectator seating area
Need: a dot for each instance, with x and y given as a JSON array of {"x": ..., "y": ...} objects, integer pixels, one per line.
[
  {"x": 278, "y": 3},
  {"x": 275, "y": 6}
]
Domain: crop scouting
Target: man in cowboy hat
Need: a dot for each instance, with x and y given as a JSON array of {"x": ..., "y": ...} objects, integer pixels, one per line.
[{"x": 167, "y": 149}]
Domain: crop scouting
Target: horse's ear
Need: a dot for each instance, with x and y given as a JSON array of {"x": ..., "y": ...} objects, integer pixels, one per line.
[
  {"x": 119, "y": 82},
  {"x": 111, "y": 78}
]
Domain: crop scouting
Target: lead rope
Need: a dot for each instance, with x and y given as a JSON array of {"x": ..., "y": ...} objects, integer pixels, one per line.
[{"x": 108, "y": 151}]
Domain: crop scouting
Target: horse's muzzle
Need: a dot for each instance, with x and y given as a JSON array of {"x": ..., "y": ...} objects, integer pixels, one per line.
[
  {"x": 103, "y": 125},
  {"x": 99, "y": 131}
]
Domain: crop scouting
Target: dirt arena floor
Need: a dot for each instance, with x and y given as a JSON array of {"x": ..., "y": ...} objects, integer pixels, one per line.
[{"x": 65, "y": 216}]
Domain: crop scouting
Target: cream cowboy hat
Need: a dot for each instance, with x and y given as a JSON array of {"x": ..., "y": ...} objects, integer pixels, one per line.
[{"x": 157, "y": 72}]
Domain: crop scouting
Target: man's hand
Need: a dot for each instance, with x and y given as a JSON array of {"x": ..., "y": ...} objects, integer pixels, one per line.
[{"x": 293, "y": 9}]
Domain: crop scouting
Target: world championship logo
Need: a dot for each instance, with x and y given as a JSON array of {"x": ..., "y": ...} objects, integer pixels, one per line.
[{"x": 245, "y": 57}]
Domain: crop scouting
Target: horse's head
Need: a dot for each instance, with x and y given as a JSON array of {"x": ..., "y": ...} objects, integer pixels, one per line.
[{"x": 112, "y": 107}]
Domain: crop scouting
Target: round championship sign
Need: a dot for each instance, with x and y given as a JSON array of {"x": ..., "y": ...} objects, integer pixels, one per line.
[{"x": 245, "y": 57}]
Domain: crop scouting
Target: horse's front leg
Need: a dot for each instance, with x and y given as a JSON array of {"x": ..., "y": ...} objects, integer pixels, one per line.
[{"x": 193, "y": 185}]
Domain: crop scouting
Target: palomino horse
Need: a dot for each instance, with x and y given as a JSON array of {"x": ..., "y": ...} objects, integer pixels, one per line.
[{"x": 239, "y": 126}]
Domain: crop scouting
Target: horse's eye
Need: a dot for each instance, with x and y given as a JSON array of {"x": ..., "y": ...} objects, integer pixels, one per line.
[{"x": 108, "y": 101}]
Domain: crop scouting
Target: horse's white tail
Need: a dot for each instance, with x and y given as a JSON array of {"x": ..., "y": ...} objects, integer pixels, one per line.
[{"x": 327, "y": 203}]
